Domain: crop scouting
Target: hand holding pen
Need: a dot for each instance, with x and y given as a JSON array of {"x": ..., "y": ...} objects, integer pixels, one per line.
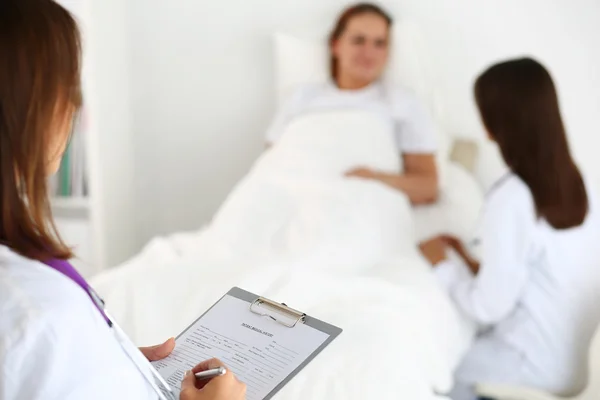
[{"x": 210, "y": 380}]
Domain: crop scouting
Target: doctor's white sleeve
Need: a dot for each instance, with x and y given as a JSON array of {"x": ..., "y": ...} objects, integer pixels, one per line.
[{"x": 493, "y": 294}]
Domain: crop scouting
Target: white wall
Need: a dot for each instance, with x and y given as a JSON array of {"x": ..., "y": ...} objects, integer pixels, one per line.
[
  {"x": 102, "y": 231},
  {"x": 111, "y": 151},
  {"x": 202, "y": 83}
]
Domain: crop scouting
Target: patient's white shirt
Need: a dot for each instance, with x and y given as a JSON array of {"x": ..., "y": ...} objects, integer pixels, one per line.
[
  {"x": 536, "y": 297},
  {"x": 54, "y": 343},
  {"x": 414, "y": 130}
]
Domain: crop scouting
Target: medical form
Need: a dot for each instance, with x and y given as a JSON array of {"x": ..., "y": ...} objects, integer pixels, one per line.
[{"x": 260, "y": 348}]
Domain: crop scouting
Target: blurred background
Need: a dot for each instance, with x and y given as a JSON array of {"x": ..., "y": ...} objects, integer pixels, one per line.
[{"x": 179, "y": 94}]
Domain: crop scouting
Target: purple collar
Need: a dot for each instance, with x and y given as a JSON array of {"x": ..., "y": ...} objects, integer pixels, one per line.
[{"x": 65, "y": 268}]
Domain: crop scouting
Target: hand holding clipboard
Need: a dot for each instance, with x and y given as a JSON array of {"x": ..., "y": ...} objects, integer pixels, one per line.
[{"x": 264, "y": 343}]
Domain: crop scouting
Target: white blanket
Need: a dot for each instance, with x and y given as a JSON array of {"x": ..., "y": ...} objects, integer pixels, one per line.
[{"x": 340, "y": 249}]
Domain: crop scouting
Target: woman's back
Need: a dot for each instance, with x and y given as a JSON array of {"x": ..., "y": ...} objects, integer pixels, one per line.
[
  {"x": 549, "y": 331},
  {"x": 568, "y": 281}
]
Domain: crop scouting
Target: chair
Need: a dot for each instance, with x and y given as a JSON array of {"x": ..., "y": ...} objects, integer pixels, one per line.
[{"x": 508, "y": 392}]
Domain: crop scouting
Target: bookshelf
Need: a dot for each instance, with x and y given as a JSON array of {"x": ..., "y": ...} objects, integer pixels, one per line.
[
  {"x": 70, "y": 204},
  {"x": 91, "y": 196},
  {"x": 71, "y": 207}
]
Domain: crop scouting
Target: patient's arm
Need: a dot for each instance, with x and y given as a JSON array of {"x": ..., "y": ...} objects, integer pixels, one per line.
[{"x": 419, "y": 180}]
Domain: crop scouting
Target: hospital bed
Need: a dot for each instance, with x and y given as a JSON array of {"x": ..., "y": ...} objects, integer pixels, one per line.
[{"x": 344, "y": 250}]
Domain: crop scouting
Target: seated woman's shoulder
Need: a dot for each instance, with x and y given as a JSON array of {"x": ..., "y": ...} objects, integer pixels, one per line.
[
  {"x": 310, "y": 89},
  {"x": 399, "y": 91},
  {"x": 510, "y": 189},
  {"x": 403, "y": 97}
]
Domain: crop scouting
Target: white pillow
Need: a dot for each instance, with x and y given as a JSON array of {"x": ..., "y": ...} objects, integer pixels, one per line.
[{"x": 298, "y": 62}]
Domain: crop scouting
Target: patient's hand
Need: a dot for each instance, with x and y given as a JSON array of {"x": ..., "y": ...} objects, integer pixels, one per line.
[
  {"x": 434, "y": 250},
  {"x": 461, "y": 250},
  {"x": 362, "y": 172}
]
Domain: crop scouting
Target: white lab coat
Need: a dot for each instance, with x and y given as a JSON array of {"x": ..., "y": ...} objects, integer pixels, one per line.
[
  {"x": 54, "y": 344},
  {"x": 536, "y": 297}
]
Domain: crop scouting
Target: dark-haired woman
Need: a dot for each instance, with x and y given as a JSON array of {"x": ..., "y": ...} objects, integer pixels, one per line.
[
  {"x": 359, "y": 46},
  {"x": 535, "y": 292}
]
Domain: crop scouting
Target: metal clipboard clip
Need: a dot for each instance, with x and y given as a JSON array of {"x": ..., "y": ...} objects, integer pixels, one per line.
[{"x": 295, "y": 316}]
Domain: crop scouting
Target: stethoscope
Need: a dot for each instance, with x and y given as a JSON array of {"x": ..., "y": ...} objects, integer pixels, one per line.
[{"x": 156, "y": 381}]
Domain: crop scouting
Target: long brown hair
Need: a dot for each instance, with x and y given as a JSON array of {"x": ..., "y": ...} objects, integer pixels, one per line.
[
  {"x": 518, "y": 103},
  {"x": 342, "y": 23},
  {"x": 39, "y": 87}
]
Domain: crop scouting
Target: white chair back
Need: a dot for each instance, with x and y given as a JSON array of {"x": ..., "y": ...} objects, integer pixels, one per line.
[{"x": 592, "y": 391}]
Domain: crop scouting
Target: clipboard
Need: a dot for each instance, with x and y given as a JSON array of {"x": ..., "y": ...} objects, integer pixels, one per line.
[{"x": 283, "y": 316}]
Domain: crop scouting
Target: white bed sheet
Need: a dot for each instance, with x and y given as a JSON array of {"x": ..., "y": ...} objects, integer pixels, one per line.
[{"x": 341, "y": 250}]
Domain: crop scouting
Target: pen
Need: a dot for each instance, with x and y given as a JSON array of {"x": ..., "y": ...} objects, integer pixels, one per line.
[{"x": 210, "y": 374}]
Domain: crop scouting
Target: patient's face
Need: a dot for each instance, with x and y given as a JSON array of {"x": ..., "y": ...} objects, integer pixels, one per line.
[{"x": 362, "y": 50}]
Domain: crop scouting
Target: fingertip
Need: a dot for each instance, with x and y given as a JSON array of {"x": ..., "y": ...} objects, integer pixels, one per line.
[
  {"x": 170, "y": 342},
  {"x": 208, "y": 364}
]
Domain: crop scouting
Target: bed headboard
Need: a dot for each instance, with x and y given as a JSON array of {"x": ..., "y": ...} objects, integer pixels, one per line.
[
  {"x": 465, "y": 152},
  {"x": 481, "y": 158}
]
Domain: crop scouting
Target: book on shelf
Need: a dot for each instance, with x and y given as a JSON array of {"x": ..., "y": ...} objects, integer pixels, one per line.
[{"x": 71, "y": 179}]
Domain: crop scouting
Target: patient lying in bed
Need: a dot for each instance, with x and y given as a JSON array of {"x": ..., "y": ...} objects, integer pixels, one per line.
[
  {"x": 300, "y": 199},
  {"x": 411, "y": 128},
  {"x": 359, "y": 55},
  {"x": 379, "y": 134}
]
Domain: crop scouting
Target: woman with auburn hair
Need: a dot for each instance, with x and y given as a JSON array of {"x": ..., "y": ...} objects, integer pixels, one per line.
[
  {"x": 535, "y": 293},
  {"x": 56, "y": 340}
]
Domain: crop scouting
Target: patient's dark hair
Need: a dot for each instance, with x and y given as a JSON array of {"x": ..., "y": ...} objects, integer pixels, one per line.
[
  {"x": 519, "y": 107},
  {"x": 344, "y": 19},
  {"x": 39, "y": 86}
]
